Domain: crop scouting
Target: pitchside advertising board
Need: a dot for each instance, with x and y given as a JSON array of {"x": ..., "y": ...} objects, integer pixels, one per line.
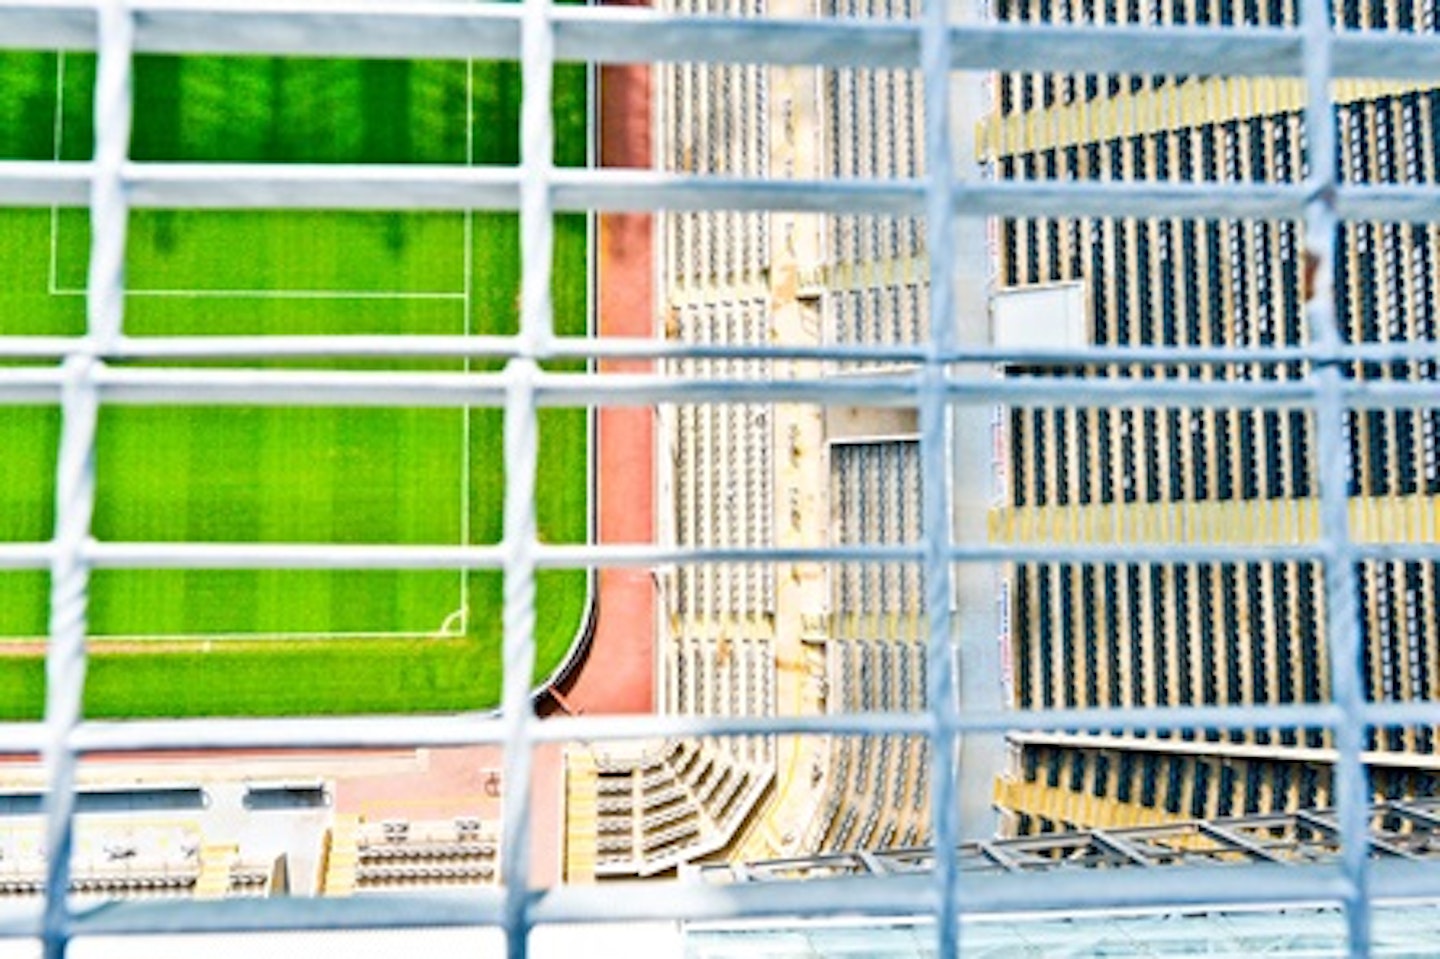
[{"x": 1052, "y": 316}]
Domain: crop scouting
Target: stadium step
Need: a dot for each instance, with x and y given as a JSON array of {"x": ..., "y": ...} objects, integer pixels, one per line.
[
  {"x": 581, "y": 817},
  {"x": 215, "y": 862},
  {"x": 1075, "y": 810},
  {"x": 341, "y": 855}
]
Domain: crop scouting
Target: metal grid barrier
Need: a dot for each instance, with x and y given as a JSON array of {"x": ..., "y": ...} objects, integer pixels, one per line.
[{"x": 76, "y": 373}]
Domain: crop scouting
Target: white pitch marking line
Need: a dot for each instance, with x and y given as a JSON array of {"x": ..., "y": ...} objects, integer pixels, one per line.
[
  {"x": 52, "y": 283},
  {"x": 287, "y": 294},
  {"x": 468, "y": 284},
  {"x": 463, "y": 295},
  {"x": 160, "y": 638}
]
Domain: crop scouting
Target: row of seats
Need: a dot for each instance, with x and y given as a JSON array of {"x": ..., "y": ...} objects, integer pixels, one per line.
[
  {"x": 1228, "y": 282},
  {"x": 249, "y": 881},
  {"x": 870, "y": 138},
  {"x": 876, "y": 797},
  {"x": 865, "y": 674},
  {"x": 128, "y": 858},
  {"x": 137, "y": 885},
  {"x": 876, "y": 115},
  {"x": 876, "y": 499},
  {"x": 146, "y": 881},
  {"x": 717, "y": 122},
  {"x": 876, "y": 794},
  {"x": 876, "y": 309},
  {"x": 674, "y": 802},
  {"x": 720, "y": 676},
  {"x": 402, "y": 853},
  {"x": 719, "y": 248},
  {"x": 440, "y": 851},
  {"x": 723, "y": 465},
  {"x": 873, "y": 123},
  {"x": 389, "y": 876},
  {"x": 682, "y": 800}
]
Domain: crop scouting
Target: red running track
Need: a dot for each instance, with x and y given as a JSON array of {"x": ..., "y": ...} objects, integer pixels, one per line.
[{"x": 617, "y": 674}]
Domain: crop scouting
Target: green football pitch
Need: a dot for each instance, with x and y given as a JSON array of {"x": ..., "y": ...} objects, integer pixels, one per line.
[{"x": 177, "y": 643}]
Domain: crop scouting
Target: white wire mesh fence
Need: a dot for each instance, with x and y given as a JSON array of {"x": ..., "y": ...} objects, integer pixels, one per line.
[{"x": 83, "y": 374}]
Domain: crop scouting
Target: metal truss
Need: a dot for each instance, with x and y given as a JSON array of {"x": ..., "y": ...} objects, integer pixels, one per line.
[{"x": 1406, "y": 831}]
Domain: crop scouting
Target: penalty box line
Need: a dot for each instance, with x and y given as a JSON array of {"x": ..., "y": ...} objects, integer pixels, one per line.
[
  {"x": 454, "y": 296},
  {"x": 463, "y": 296},
  {"x": 265, "y": 637}
]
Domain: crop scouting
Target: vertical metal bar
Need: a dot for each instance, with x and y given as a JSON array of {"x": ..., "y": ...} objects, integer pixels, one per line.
[
  {"x": 65, "y": 663},
  {"x": 1352, "y": 791},
  {"x": 934, "y": 443},
  {"x": 521, "y": 442},
  {"x": 537, "y": 52},
  {"x": 75, "y": 470}
]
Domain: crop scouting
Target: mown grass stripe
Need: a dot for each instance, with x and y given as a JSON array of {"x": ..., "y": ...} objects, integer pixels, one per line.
[{"x": 307, "y": 475}]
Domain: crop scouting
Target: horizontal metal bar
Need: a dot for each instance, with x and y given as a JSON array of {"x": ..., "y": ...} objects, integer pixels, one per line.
[
  {"x": 341, "y": 187},
  {"x": 476, "y": 907},
  {"x": 470, "y": 729},
  {"x": 1010, "y": 198},
  {"x": 1136, "y": 552},
  {"x": 335, "y": 732},
  {"x": 422, "y": 346},
  {"x": 1070, "y": 891},
  {"x": 437, "y": 30},
  {"x": 390, "y": 556},
  {"x": 1420, "y": 713},
  {"x": 26, "y": 555},
  {"x": 433, "y": 30},
  {"x": 1317, "y": 716},
  {"x": 21, "y": 738},
  {"x": 221, "y": 186},
  {"x": 1384, "y": 55},
  {"x": 632, "y": 35},
  {"x": 450, "y": 30},
  {"x": 29, "y": 183},
  {"x": 1155, "y": 49},
  {"x": 48, "y": 25},
  {"x": 1033, "y": 895},
  {"x": 268, "y": 387},
  {"x": 1394, "y": 552}
]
